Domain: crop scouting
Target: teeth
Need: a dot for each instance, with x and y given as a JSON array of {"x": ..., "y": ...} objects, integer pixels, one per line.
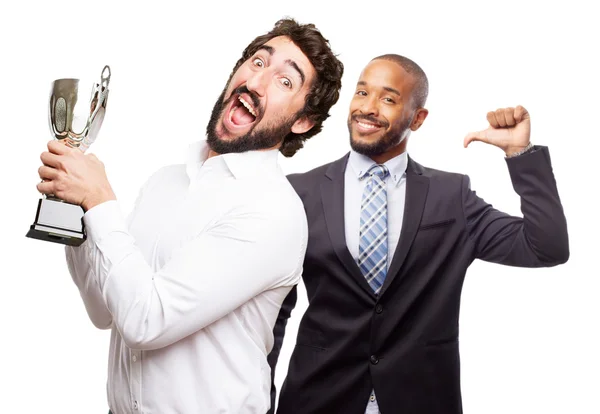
[
  {"x": 247, "y": 105},
  {"x": 367, "y": 126}
]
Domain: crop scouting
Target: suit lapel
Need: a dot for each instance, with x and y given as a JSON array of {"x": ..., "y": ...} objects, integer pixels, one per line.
[
  {"x": 417, "y": 186},
  {"x": 332, "y": 195}
]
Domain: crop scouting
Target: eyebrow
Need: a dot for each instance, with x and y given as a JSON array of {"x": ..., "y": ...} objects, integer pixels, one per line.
[
  {"x": 271, "y": 51},
  {"x": 387, "y": 88},
  {"x": 295, "y": 66}
]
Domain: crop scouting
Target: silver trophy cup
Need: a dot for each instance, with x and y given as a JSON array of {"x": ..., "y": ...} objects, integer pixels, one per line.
[{"x": 75, "y": 117}]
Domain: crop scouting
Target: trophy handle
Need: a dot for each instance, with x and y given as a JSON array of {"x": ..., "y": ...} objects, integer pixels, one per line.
[
  {"x": 100, "y": 95},
  {"x": 97, "y": 103},
  {"x": 105, "y": 79}
]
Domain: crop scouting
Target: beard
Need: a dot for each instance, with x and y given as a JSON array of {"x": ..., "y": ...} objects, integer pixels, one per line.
[
  {"x": 388, "y": 140},
  {"x": 255, "y": 139}
]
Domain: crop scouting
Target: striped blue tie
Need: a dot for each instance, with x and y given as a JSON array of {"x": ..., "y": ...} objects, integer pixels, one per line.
[{"x": 373, "y": 247}]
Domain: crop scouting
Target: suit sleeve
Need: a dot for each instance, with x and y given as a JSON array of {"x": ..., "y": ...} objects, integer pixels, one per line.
[
  {"x": 539, "y": 238},
  {"x": 279, "y": 332}
]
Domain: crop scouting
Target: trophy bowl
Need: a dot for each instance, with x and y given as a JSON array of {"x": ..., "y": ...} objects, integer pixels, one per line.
[{"x": 75, "y": 114}]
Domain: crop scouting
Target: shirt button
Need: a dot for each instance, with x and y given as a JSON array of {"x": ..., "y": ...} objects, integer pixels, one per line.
[
  {"x": 135, "y": 405},
  {"x": 134, "y": 358},
  {"x": 372, "y": 398},
  {"x": 379, "y": 308},
  {"x": 374, "y": 360}
]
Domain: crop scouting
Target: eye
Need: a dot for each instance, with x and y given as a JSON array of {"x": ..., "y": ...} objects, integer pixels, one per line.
[
  {"x": 361, "y": 93},
  {"x": 258, "y": 62},
  {"x": 389, "y": 100},
  {"x": 286, "y": 82}
]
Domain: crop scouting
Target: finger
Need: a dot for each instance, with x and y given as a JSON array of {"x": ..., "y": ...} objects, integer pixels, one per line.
[
  {"x": 509, "y": 115},
  {"x": 491, "y": 117},
  {"x": 46, "y": 187},
  {"x": 480, "y": 136},
  {"x": 47, "y": 173},
  {"x": 51, "y": 160},
  {"x": 57, "y": 147},
  {"x": 521, "y": 114},
  {"x": 500, "y": 117}
]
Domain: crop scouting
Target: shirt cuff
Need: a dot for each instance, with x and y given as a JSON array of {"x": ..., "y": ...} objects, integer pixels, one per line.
[
  {"x": 103, "y": 219},
  {"x": 529, "y": 148}
]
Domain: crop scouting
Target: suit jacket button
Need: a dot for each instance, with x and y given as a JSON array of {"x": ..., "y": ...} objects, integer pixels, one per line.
[
  {"x": 379, "y": 308},
  {"x": 374, "y": 360}
]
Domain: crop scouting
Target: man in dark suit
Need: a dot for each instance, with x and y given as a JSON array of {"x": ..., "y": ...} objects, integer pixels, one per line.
[{"x": 389, "y": 245}]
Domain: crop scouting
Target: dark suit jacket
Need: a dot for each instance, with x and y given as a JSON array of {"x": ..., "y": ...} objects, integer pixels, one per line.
[{"x": 404, "y": 342}]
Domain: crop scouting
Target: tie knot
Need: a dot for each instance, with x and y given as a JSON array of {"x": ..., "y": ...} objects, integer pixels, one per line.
[{"x": 379, "y": 170}]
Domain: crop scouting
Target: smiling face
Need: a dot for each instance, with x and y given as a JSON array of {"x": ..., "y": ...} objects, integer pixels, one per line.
[
  {"x": 382, "y": 113},
  {"x": 263, "y": 100}
]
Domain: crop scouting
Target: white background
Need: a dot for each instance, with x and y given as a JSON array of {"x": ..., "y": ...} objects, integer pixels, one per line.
[{"x": 529, "y": 338}]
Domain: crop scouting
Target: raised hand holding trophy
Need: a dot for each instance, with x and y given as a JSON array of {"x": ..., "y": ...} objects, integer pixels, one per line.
[{"x": 75, "y": 122}]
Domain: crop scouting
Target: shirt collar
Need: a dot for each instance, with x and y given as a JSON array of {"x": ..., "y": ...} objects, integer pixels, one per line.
[
  {"x": 396, "y": 166},
  {"x": 240, "y": 165}
]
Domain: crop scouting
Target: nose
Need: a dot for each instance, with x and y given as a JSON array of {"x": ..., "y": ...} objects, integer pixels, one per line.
[
  {"x": 257, "y": 83},
  {"x": 369, "y": 106}
]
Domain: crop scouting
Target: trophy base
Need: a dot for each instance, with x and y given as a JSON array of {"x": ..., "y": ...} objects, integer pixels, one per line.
[{"x": 59, "y": 222}]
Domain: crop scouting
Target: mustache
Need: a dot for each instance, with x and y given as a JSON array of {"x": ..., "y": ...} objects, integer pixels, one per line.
[
  {"x": 370, "y": 119},
  {"x": 243, "y": 89}
]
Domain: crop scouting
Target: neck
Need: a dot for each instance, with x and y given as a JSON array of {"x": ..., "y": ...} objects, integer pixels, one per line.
[
  {"x": 212, "y": 153},
  {"x": 389, "y": 154}
]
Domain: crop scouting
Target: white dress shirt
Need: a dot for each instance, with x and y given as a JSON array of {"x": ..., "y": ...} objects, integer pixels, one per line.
[
  {"x": 396, "y": 194},
  {"x": 191, "y": 283}
]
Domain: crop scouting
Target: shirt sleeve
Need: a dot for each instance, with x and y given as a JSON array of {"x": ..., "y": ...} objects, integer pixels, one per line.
[
  {"x": 81, "y": 273},
  {"x": 249, "y": 250},
  {"x": 80, "y": 260}
]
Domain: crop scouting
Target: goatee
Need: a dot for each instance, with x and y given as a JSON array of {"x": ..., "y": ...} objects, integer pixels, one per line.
[{"x": 390, "y": 139}]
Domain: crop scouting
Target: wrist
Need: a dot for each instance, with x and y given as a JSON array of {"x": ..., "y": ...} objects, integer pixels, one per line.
[
  {"x": 98, "y": 198},
  {"x": 515, "y": 151}
]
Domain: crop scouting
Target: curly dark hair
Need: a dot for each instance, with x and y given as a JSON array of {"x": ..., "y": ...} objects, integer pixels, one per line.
[{"x": 325, "y": 90}]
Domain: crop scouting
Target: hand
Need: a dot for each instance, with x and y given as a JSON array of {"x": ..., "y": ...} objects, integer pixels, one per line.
[
  {"x": 73, "y": 176},
  {"x": 509, "y": 130}
]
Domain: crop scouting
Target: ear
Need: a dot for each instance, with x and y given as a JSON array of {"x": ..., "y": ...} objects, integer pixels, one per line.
[
  {"x": 302, "y": 125},
  {"x": 419, "y": 118}
]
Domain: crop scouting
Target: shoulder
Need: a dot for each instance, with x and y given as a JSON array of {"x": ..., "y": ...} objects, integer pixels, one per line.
[
  {"x": 280, "y": 201},
  {"x": 308, "y": 176},
  {"x": 436, "y": 175},
  {"x": 442, "y": 183},
  {"x": 273, "y": 217},
  {"x": 304, "y": 183}
]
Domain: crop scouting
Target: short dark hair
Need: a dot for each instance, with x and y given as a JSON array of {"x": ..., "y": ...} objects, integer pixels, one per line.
[
  {"x": 325, "y": 90},
  {"x": 421, "y": 83}
]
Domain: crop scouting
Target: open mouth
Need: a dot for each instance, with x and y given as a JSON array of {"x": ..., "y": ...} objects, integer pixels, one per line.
[{"x": 242, "y": 113}]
